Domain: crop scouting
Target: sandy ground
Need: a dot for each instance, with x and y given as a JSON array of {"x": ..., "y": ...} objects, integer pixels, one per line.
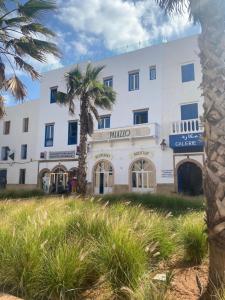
[{"x": 6, "y": 297}]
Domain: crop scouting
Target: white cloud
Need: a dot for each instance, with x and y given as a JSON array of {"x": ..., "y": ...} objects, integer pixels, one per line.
[{"x": 118, "y": 22}]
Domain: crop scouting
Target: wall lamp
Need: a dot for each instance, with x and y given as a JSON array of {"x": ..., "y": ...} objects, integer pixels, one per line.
[{"x": 163, "y": 145}]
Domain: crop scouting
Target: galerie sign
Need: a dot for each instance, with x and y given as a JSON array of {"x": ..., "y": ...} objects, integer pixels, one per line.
[
  {"x": 61, "y": 154},
  {"x": 102, "y": 156},
  {"x": 186, "y": 140}
]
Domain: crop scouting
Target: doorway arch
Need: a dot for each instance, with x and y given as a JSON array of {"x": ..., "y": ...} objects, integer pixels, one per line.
[
  {"x": 58, "y": 179},
  {"x": 142, "y": 176},
  {"x": 189, "y": 178},
  {"x": 103, "y": 177}
]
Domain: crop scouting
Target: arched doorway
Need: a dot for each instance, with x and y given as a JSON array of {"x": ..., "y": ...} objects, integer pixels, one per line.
[
  {"x": 58, "y": 179},
  {"x": 189, "y": 179},
  {"x": 143, "y": 176},
  {"x": 103, "y": 177}
]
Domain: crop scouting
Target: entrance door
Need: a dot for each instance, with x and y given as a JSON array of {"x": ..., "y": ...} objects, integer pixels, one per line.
[
  {"x": 101, "y": 183},
  {"x": 3, "y": 179},
  {"x": 103, "y": 178},
  {"x": 189, "y": 177}
]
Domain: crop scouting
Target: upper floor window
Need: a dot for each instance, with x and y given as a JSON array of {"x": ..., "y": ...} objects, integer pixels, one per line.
[
  {"x": 108, "y": 81},
  {"x": 24, "y": 151},
  {"x": 189, "y": 111},
  {"x": 6, "y": 127},
  {"x": 104, "y": 122},
  {"x": 53, "y": 94},
  {"x": 72, "y": 133},
  {"x": 152, "y": 73},
  {"x": 22, "y": 176},
  {"x": 140, "y": 117},
  {"x": 5, "y": 153},
  {"x": 188, "y": 72},
  {"x": 25, "y": 124},
  {"x": 49, "y": 135},
  {"x": 134, "y": 81}
]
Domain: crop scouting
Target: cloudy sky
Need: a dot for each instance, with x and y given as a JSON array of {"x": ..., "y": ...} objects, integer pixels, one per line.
[{"x": 94, "y": 29}]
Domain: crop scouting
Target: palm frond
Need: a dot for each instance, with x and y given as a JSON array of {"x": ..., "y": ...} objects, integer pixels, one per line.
[
  {"x": 15, "y": 21},
  {"x": 2, "y": 74},
  {"x": 2, "y": 107},
  {"x": 35, "y": 8},
  {"x": 16, "y": 88},
  {"x": 26, "y": 67},
  {"x": 46, "y": 47},
  {"x": 171, "y": 6},
  {"x": 106, "y": 99},
  {"x": 66, "y": 99},
  {"x": 36, "y": 28},
  {"x": 94, "y": 111}
]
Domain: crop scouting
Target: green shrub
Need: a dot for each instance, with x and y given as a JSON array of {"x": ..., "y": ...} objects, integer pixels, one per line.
[
  {"x": 194, "y": 238},
  {"x": 122, "y": 259},
  {"x": 170, "y": 203},
  {"x": 64, "y": 273},
  {"x": 20, "y": 194}
]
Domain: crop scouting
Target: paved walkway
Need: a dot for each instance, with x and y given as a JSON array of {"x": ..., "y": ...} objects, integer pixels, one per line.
[{"x": 7, "y": 297}]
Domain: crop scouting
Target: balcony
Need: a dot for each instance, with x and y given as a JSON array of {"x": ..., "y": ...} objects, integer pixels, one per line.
[
  {"x": 187, "y": 136},
  {"x": 187, "y": 126},
  {"x": 148, "y": 130}
]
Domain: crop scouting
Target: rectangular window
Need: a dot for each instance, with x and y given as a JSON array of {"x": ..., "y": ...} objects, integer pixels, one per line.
[
  {"x": 152, "y": 73},
  {"x": 25, "y": 124},
  {"x": 104, "y": 122},
  {"x": 108, "y": 81},
  {"x": 188, "y": 72},
  {"x": 6, "y": 127},
  {"x": 53, "y": 94},
  {"x": 5, "y": 153},
  {"x": 72, "y": 133},
  {"x": 189, "y": 111},
  {"x": 140, "y": 117},
  {"x": 133, "y": 81},
  {"x": 22, "y": 176},
  {"x": 49, "y": 135},
  {"x": 24, "y": 151}
]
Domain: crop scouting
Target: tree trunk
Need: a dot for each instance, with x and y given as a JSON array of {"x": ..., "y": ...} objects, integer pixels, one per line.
[
  {"x": 82, "y": 161},
  {"x": 212, "y": 56}
]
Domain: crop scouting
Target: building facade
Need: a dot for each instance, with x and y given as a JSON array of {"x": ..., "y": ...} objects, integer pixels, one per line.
[{"x": 150, "y": 141}]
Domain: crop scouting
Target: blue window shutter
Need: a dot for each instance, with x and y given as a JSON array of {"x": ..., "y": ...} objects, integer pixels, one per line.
[
  {"x": 188, "y": 73},
  {"x": 189, "y": 111},
  {"x": 107, "y": 122},
  {"x": 53, "y": 95},
  {"x": 72, "y": 133},
  {"x": 140, "y": 117}
]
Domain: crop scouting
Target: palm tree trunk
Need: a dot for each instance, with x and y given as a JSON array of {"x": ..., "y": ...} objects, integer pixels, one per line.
[
  {"x": 212, "y": 56},
  {"x": 82, "y": 162}
]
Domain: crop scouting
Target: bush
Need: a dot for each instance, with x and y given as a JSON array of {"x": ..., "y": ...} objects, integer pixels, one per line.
[
  {"x": 122, "y": 259},
  {"x": 194, "y": 238},
  {"x": 170, "y": 203},
  {"x": 64, "y": 273},
  {"x": 20, "y": 194}
]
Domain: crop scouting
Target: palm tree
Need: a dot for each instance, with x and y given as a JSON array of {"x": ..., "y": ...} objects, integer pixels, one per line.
[
  {"x": 91, "y": 93},
  {"x": 210, "y": 14},
  {"x": 22, "y": 37}
]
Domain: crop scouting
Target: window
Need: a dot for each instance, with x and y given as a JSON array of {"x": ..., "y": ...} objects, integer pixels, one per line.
[
  {"x": 188, "y": 72},
  {"x": 140, "y": 117},
  {"x": 22, "y": 176},
  {"x": 5, "y": 153},
  {"x": 133, "y": 81},
  {"x": 25, "y": 124},
  {"x": 189, "y": 111},
  {"x": 152, "y": 73},
  {"x": 108, "y": 81},
  {"x": 24, "y": 151},
  {"x": 49, "y": 135},
  {"x": 6, "y": 129},
  {"x": 104, "y": 122},
  {"x": 53, "y": 94},
  {"x": 72, "y": 133}
]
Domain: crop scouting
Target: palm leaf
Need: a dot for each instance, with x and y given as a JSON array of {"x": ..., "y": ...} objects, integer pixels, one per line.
[
  {"x": 26, "y": 67},
  {"x": 36, "y": 28},
  {"x": 171, "y": 6},
  {"x": 66, "y": 99},
  {"x": 35, "y": 8},
  {"x": 15, "y": 21},
  {"x": 16, "y": 87},
  {"x": 2, "y": 106},
  {"x": 94, "y": 111},
  {"x": 2, "y": 74}
]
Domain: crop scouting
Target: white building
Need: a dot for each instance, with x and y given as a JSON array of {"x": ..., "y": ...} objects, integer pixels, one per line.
[{"x": 158, "y": 102}]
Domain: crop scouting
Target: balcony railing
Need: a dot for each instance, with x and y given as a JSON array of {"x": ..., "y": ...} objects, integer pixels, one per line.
[{"x": 187, "y": 126}]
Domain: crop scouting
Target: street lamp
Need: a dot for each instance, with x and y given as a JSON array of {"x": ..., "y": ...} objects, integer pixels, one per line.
[{"x": 163, "y": 145}]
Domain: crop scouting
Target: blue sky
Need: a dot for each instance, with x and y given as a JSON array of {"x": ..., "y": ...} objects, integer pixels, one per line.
[{"x": 94, "y": 29}]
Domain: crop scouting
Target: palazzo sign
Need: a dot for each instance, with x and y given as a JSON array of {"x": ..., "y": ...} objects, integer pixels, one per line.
[
  {"x": 119, "y": 134},
  {"x": 61, "y": 154},
  {"x": 186, "y": 140}
]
